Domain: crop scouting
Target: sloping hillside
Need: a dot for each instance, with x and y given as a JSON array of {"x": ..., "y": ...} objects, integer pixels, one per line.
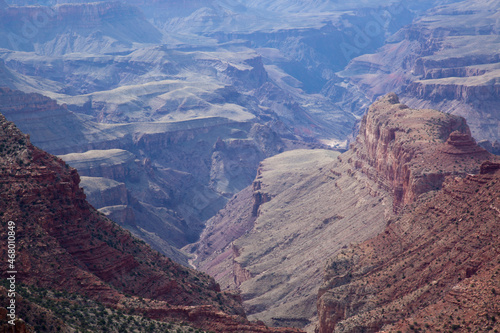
[
  {"x": 64, "y": 245},
  {"x": 436, "y": 268},
  {"x": 271, "y": 240}
]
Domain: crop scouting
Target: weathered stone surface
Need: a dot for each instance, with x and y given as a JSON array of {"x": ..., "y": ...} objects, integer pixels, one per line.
[
  {"x": 412, "y": 151},
  {"x": 435, "y": 268},
  {"x": 64, "y": 244},
  {"x": 272, "y": 239}
]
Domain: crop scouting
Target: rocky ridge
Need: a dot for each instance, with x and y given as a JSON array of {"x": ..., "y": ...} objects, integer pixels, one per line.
[
  {"x": 298, "y": 203},
  {"x": 168, "y": 198},
  {"x": 434, "y": 268},
  {"x": 63, "y": 244}
]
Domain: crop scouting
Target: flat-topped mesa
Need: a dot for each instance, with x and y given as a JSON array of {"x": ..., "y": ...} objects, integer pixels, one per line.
[{"x": 410, "y": 151}]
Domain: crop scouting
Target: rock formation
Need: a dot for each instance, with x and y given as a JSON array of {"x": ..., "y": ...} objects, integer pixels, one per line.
[
  {"x": 412, "y": 151},
  {"x": 435, "y": 268},
  {"x": 436, "y": 62},
  {"x": 65, "y": 245},
  {"x": 314, "y": 203}
]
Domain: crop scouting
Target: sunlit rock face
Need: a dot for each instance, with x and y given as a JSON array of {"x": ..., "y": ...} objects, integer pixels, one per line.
[{"x": 272, "y": 239}]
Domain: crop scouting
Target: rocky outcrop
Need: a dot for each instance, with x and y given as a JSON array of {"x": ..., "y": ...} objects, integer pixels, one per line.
[
  {"x": 489, "y": 167},
  {"x": 64, "y": 244},
  {"x": 462, "y": 144},
  {"x": 395, "y": 141},
  {"x": 302, "y": 200},
  {"x": 102, "y": 192},
  {"x": 250, "y": 74},
  {"x": 234, "y": 163},
  {"x": 116, "y": 164},
  {"x": 133, "y": 194},
  {"x": 435, "y": 268}
]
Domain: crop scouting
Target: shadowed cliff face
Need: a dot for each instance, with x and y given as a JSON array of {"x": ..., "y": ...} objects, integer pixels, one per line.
[
  {"x": 64, "y": 244},
  {"x": 269, "y": 240}
]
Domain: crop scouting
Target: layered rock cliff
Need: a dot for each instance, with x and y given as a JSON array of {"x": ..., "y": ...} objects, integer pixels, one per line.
[
  {"x": 65, "y": 245},
  {"x": 412, "y": 151},
  {"x": 88, "y": 27},
  {"x": 447, "y": 59},
  {"x": 435, "y": 268},
  {"x": 302, "y": 200}
]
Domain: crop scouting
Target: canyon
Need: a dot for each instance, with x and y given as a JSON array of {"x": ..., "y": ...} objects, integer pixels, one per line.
[
  {"x": 167, "y": 201},
  {"x": 446, "y": 60},
  {"x": 91, "y": 86},
  {"x": 218, "y": 95},
  {"x": 256, "y": 142}
]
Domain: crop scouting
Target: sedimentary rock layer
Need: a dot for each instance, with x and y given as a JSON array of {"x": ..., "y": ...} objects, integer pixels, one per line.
[
  {"x": 435, "y": 268},
  {"x": 272, "y": 239},
  {"x": 64, "y": 244}
]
